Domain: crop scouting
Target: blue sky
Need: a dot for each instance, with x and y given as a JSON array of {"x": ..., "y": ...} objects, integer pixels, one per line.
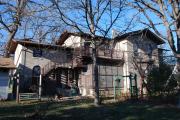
[{"x": 125, "y": 17}]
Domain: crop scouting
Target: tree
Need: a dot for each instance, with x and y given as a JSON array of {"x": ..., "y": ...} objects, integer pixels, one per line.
[
  {"x": 164, "y": 14},
  {"x": 10, "y": 18},
  {"x": 28, "y": 19},
  {"x": 96, "y": 17},
  {"x": 157, "y": 83}
]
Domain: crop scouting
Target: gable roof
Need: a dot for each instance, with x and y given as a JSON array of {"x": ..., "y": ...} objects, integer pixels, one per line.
[
  {"x": 7, "y": 63},
  {"x": 145, "y": 32},
  {"x": 26, "y": 42},
  {"x": 67, "y": 34}
]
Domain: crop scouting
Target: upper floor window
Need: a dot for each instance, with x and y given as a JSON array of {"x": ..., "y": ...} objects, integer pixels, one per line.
[{"x": 37, "y": 53}]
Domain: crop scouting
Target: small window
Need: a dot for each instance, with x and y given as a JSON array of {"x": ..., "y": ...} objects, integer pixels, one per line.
[
  {"x": 36, "y": 71},
  {"x": 37, "y": 53}
]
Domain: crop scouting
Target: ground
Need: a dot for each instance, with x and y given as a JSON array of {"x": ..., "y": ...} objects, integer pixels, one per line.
[{"x": 84, "y": 110}]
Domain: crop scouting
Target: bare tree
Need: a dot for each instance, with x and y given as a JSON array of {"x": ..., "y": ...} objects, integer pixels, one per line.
[
  {"x": 96, "y": 17},
  {"x": 26, "y": 19},
  {"x": 10, "y": 18},
  {"x": 164, "y": 14}
]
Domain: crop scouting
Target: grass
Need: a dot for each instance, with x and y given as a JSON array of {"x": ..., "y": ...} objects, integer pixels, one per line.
[{"x": 84, "y": 110}]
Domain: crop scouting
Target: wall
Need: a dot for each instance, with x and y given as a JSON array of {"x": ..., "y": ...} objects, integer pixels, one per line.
[
  {"x": 73, "y": 41},
  {"x": 86, "y": 82},
  {"x": 26, "y": 61},
  {"x": 136, "y": 47},
  {"x": 18, "y": 55},
  {"x": 4, "y": 82}
]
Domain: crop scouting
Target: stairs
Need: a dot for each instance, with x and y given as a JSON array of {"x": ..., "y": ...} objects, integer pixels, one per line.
[{"x": 56, "y": 77}]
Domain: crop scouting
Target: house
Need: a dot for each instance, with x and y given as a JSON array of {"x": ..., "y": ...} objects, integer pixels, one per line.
[
  {"x": 68, "y": 64},
  {"x": 134, "y": 52},
  {"x": 53, "y": 62},
  {"x": 6, "y": 67},
  {"x": 141, "y": 54}
]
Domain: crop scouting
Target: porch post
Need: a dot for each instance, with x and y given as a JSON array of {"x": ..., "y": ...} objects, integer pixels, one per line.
[
  {"x": 17, "y": 88},
  {"x": 40, "y": 83}
]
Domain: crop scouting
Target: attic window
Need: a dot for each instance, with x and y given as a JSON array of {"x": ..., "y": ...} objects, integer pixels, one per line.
[{"x": 37, "y": 53}]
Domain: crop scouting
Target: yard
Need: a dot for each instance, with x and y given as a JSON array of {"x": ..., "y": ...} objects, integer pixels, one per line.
[{"x": 84, "y": 110}]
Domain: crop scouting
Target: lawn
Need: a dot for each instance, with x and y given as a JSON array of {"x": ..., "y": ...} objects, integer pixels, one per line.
[{"x": 84, "y": 110}]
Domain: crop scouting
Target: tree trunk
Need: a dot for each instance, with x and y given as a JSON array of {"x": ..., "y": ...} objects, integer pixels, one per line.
[
  {"x": 95, "y": 78},
  {"x": 142, "y": 82},
  {"x": 8, "y": 46},
  {"x": 178, "y": 59}
]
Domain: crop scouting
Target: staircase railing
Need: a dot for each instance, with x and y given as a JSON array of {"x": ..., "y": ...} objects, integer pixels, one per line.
[{"x": 48, "y": 67}]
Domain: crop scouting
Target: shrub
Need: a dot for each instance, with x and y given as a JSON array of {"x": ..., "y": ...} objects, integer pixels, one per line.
[{"x": 158, "y": 82}]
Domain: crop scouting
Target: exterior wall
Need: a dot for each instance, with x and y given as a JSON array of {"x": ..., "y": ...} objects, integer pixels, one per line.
[
  {"x": 143, "y": 48},
  {"x": 18, "y": 55},
  {"x": 48, "y": 55},
  {"x": 26, "y": 61},
  {"x": 107, "y": 76},
  {"x": 73, "y": 41},
  {"x": 86, "y": 82},
  {"x": 125, "y": 46},
  {"x": 4, "y": 84}
]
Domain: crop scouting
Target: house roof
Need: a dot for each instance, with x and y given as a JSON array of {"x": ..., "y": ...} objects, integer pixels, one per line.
[
  {"x": 67, "y": 34},
  {"x": 26, "y": 42},
  {"x": 146, "y": 32},
  {"x": 7, "y": 63}
]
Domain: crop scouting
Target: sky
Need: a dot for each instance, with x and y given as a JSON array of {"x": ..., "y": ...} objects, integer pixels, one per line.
[{"x": 125, "y": 17}]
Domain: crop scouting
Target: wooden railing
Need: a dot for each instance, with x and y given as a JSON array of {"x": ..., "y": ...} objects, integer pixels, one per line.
[
  {"x": 28, "y": 96},
  {"x": 107, "y": 53},
  {"x": 111, "y": 54},
  {"x": 52, "y": 65}
]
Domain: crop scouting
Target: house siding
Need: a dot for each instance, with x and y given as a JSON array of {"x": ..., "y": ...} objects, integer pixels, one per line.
[
  {"x": 145, "y": 48},
  {"x": 27, "y": 62}
]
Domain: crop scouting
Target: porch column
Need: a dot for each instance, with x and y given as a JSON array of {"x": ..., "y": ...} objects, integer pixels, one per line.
[
  {"x": 40, "y": 84},
  {"x": 17, "y": 88}
]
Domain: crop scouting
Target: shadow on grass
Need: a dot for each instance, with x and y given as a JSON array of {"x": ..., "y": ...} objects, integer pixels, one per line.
[{"x": 84, "y": 110}]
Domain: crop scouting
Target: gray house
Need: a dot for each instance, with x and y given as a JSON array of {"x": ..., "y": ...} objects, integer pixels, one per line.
[
  {"x": 68, "y": 63},
  {"x": 117, "y": 58},
  {"x": 6, "y": 67}
]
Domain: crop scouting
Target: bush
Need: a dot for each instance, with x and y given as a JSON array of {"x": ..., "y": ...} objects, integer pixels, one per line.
[{"x": 158, "y": 84}]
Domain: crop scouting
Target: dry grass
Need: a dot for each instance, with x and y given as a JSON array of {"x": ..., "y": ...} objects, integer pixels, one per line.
[{"x": 85, "y": 110}]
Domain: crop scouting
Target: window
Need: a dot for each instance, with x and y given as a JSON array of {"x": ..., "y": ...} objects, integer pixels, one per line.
[
  {"x": 36, "y": 71},
  {"x": 37, "y": 53}
]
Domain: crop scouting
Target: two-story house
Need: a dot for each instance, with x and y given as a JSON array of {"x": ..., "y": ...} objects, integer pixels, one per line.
[
  {"x": 69, "y": 62},
  {"x": 134, "y": 52}
]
